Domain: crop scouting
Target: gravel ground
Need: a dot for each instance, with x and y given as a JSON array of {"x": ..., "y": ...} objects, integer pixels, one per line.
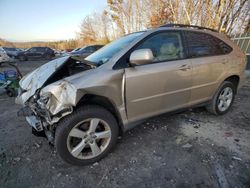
[{"x": 188, "y": 149}]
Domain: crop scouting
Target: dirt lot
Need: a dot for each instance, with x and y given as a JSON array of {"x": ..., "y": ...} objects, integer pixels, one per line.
[{"x": 188, "y": 149}]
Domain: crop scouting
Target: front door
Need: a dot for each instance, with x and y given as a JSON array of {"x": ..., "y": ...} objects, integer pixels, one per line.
[{"x": 163, "y": 85}]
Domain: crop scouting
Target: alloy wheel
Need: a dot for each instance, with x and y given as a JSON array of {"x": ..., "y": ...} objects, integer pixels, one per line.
[
  {"x": 225, "y": 99},
  {"x": 88, "y": 138}
]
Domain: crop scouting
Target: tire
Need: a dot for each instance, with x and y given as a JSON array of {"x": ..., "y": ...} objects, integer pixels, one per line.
[
  {"x": 11, "y": 92},
  {"x": 81, "y": 117},
  {"x": 214, "y": 107}
]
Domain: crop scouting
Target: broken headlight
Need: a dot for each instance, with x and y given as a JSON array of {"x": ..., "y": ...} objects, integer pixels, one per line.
[{"x": 43, "y": 100}]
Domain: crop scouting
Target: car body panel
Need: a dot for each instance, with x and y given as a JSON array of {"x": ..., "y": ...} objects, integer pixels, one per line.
[{"x": 152, "y": 87}]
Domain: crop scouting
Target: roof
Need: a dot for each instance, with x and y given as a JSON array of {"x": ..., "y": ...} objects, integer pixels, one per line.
[{"x": 188, "y": 26}]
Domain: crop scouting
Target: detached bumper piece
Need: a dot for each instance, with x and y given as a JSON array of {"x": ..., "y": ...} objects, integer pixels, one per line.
[{"x": 31, "y": 118}]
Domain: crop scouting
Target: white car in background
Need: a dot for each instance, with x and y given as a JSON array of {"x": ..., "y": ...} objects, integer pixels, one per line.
[{"x": 3, "y": 56}]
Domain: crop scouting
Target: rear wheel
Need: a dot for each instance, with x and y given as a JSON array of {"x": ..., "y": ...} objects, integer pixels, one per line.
[
  {"x": 223, "y": 99},
  {"x": 86, "y": 135}
]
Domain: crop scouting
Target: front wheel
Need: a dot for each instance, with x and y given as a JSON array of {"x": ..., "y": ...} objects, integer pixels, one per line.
[
  {"x": 86, "y": 135},
  {"x": 223, "y": 99}
]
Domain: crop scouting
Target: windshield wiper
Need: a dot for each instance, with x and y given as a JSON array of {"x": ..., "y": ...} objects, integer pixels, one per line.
[
  {"x": 89, "y": 63},
  {"x": 100, "y": 63}
]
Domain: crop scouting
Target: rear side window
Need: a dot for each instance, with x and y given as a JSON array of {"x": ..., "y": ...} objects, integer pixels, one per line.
[
  {"x": 40, "y": 49},
  {"x": 202, "y": 44},
  {"x": 165, "y": 46},
  {"x": 32, "y": 50}
]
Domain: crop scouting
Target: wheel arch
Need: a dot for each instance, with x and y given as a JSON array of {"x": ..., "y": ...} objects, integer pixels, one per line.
[
  {"x": 235, "y": 79},
  {"x": 104, "y": 102}
]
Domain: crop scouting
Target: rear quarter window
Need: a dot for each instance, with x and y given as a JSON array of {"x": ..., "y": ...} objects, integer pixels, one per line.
[{"x": 202, "y": 44}]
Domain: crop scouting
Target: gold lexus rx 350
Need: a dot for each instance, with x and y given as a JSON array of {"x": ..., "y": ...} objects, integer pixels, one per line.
[{"x": 82, "y": 105}]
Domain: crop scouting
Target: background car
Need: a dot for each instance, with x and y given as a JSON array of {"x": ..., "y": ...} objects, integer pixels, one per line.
[
  {"x": 12, "y": 52},
  {"x": 85, "y": 51},
  {"x": 3, "y": 56},
  {"x": 35, "y": 53}
]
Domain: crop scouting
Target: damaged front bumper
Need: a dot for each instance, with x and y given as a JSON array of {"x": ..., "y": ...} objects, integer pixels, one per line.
[
  {"x": 36, "y": 123},
  {"x": 38, "y": 113},
  {"x": 43, "y": 123},
  {"x": 47, "y": 105}
]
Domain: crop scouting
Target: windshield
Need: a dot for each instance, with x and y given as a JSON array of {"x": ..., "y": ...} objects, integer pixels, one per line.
[{"x": 104, "y": 54}]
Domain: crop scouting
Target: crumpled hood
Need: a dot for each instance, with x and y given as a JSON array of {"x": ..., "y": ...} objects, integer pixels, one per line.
[{"x": 35, "y": 80}]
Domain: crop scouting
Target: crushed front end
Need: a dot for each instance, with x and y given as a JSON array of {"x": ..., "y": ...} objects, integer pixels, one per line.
[{"x": 46, "y": 95}]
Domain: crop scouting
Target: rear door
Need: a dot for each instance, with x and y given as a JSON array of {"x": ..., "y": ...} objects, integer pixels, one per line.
[
  {"x": 163, "y": 85},
  {"x": 209, "y": 64}
]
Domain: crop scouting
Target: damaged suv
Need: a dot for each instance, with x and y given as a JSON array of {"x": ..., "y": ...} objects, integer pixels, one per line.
[{"x": 82, "y": 105}]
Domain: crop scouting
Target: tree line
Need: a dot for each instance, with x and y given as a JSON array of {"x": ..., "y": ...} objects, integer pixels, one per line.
[{"x": 122, "y": 17}]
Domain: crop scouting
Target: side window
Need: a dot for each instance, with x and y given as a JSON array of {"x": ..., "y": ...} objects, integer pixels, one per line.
[
  {"x": 202, "y": 44},
  {"x": 40, "y": 50},
  {"x": 32, "y": 50},
  {"x": 165, "y": 46},
  {"x": 226, "y": 49},
  {"x": 89, "y": 49}
]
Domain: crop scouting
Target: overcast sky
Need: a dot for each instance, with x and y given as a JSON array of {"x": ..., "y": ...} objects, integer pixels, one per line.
[{"x": 44, "y": 20}]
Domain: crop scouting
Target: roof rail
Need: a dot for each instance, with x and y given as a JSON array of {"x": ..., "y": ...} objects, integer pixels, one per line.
[{"x": 189, "y": 26}]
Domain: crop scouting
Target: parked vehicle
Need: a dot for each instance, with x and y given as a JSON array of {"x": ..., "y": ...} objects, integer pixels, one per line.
[
  {"x": 3, "y": 56},
  {"x": 82, "y": 106},
  {"x": 12, "y": 52},
  {"x": 85, "y": 51},
  {"x": 36, "y": 52}
]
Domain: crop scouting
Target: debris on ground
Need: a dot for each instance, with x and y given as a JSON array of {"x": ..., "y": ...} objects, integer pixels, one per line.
[
  {"x": 228, "y": 134},
  {"x": 37, "y": 145},
  {"x": 236, "y": 158},
  {"x": 245, "y": 116},
  {"x": 193, "y": 121},
  {"x": 16, "y": 159},
  {"x": 187, "y": 145},
  {"x": 178, "y": 140},
  {"x": 221, "y": 176}
]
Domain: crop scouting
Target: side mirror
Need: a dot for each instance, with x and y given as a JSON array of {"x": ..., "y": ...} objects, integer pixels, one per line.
[{"x": 141, "y": 57}]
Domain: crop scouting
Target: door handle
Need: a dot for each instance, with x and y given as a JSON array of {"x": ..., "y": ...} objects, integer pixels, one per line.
[{"x": 184, "y": 67}]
